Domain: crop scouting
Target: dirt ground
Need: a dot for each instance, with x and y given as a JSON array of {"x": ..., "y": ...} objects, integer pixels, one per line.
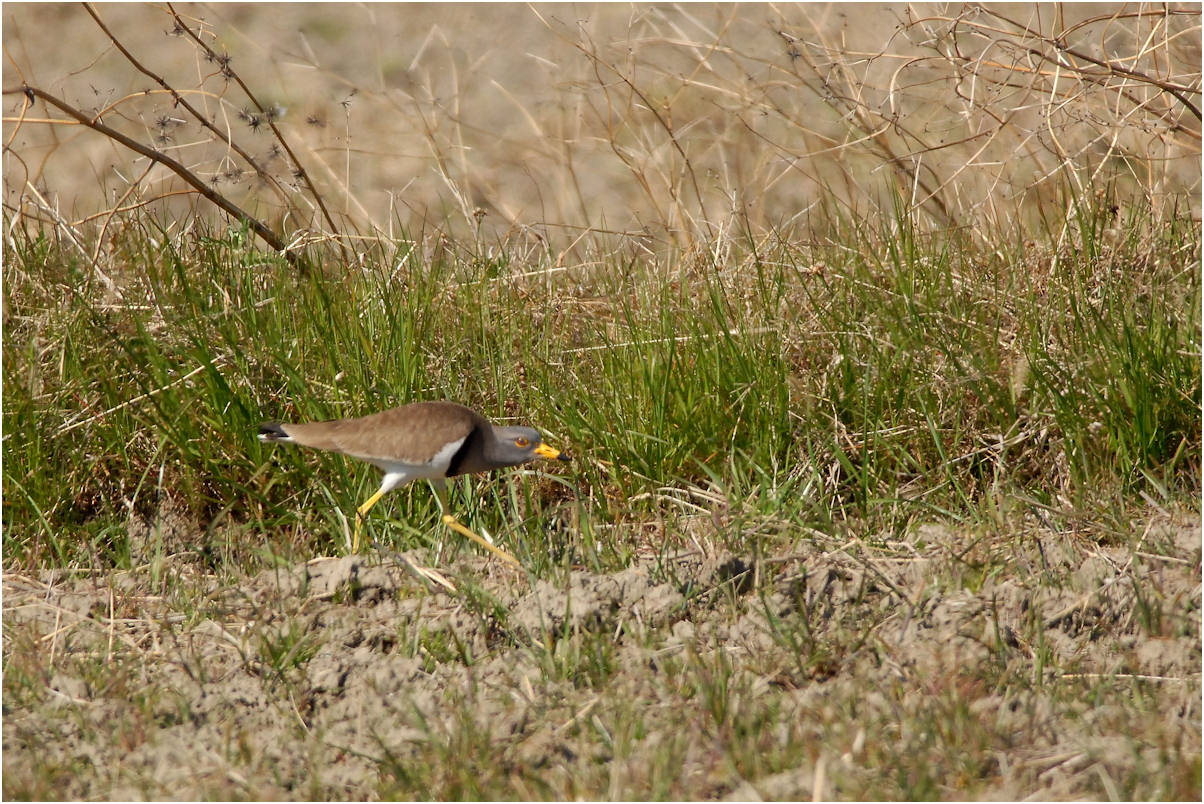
[{"x": 1062, "y": 668}]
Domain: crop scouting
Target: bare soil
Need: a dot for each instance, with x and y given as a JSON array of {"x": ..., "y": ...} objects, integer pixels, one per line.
[{"x": 1062, "y": 668}]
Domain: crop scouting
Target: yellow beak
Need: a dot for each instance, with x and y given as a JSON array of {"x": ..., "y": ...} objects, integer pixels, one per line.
[{"x": 544, "y": 451}]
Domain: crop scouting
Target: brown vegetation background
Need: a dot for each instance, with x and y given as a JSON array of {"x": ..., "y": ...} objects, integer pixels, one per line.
[{"x": 549, "y": 121}]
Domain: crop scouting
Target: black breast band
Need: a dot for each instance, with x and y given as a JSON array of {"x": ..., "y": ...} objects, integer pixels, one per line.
[{"x": 456, "y": 465}]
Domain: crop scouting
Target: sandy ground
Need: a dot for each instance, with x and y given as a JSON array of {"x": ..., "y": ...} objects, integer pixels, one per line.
[{"x": 1077, "y": 663}]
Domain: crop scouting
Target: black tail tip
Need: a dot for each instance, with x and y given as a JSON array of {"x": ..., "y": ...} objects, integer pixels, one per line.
[{"x": 272, "y": 431}]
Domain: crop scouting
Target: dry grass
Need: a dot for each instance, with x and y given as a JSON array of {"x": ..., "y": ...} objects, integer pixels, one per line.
[{"x": 698, "y": 125}]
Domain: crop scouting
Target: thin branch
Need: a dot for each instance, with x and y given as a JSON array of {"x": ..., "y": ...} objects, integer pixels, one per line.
[
  {"x": 261, "y": 229},
  {"x": 179, "y": 100},
  {"x": 1176, "y": 90},
  {"x": 301, "y": 172}
]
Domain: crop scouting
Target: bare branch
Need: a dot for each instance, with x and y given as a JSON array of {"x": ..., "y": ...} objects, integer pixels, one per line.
[{"x": 261, "y": 229}]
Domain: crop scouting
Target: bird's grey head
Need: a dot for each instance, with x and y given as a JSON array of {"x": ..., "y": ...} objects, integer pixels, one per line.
[{"x": 515, "y": 445}]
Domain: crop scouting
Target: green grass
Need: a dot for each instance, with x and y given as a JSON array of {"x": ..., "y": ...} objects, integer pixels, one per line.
[{"x": 915, "y": 375}]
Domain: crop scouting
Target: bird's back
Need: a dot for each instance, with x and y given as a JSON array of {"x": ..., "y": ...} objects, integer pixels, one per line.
[{"x": 412, "y": 433}]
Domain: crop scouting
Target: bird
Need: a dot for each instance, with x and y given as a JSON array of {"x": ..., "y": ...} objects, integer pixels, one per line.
[{"x": 433, "y": 440}]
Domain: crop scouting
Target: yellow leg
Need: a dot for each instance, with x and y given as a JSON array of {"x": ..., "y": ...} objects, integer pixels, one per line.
[
  {"x": 359, "y": 518},
  {"x": 452, "y": 523}
]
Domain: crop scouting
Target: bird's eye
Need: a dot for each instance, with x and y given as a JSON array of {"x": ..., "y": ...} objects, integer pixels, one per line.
[{"x": 521, "y": 442}]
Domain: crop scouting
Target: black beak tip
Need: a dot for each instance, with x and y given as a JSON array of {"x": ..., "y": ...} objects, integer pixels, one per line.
[{"x": 564, "y": 456}]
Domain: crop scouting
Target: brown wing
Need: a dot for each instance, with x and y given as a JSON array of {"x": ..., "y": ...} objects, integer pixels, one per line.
[{"x": 411, "y": 433}]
